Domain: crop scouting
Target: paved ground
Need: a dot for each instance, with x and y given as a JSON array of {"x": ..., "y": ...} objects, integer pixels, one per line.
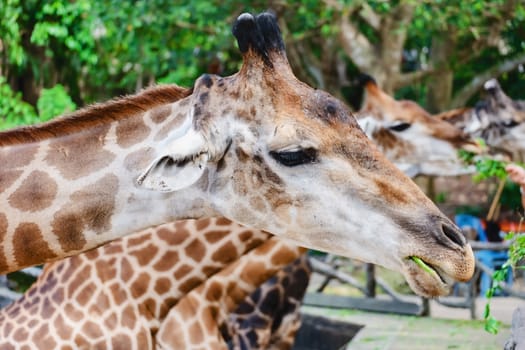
[{"x": 447, "y": 328}]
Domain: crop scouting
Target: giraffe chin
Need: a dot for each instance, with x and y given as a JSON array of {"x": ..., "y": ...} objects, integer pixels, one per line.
[{"x": 427, "y": 280}]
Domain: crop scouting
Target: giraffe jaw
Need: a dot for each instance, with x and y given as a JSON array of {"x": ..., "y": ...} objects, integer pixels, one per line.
[{"x": 425, "y": 279}]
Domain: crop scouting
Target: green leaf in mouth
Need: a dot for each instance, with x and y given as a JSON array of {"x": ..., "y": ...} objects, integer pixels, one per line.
[{"x": 422, "y": 264}]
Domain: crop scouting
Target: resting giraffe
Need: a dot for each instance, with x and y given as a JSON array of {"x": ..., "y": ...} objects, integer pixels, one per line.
[
  {"x": 497, "y": 119},
  {"x": 259, "y": 147},
  {"x": 119, "y": 295},
  {"x": 409, "y": 136}
]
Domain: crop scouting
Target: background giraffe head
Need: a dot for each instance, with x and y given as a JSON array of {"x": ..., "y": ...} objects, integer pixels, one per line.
[
  {"x": 274, "y": 154},
  {"x": 410, "y": 137},
  {"x": 496, "y": 119}
]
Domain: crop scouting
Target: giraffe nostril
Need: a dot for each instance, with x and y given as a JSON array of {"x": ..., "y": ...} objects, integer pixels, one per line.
[{"x": 453, "y": 233}]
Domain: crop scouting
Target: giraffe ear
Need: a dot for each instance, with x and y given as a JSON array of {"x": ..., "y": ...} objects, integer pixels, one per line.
[{"x": 181, "y": 164}]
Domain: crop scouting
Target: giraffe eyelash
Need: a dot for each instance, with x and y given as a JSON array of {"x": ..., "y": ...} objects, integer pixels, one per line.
[{"x": 296, "y": 157}]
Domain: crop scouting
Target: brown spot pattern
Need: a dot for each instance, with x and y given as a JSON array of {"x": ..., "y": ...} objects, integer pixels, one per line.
[
  {"x": 7, "y": 177},
  {"x": 111, "y": 321},
  {"x": 131, "y": 131},
  {"x": 167, "y": 261},
  {"x": 140, "y": 286},
  {"x": 120, "y": 342},
  {"x": 3, "y": 231},
  {"x": 252, "y": 272},
  {"x": 283, "y": 256},
  {"x": 139, "y": 160},
  {"x": 79, "y": 278},
  {"x": 170, "y": 125},
  {"x": 195, "y": 250},
  {"x": 202, "y": 224},
  {"x": 89, "y": 208},
  {"x": 73, "y": 313},
  {"x": 21, "y": 335},
  {"x": 63, "y": 329},
  {"x": 174, "y": 238},
  {"x": 17, "y": 157},
  {"x": 215, "y": 235},
  {"x": 29, "y": 245},
  {"x": 82, "y": 154},
  {"x": 160, "y": 114},
  {"x": 195, "y": 332},
  {"x": 146, "y": 254},
  {"x": 126, "y": 270},
  {"x": 36, "y": 192},
  {"x": 182, "y": 271},
  {"x": 223, "y": 222},
  {"x": 119, "y": 295},
  {"x": 162, "y": 285},
  {"x": 214, "y": 291},
  {"x": 225, "y": 254},
  {"x": 92, "y": 330},
  {"x": 105, "y": 269},
  {"x": 136, "y": 240},
  {"x": 85, "y": 295}
]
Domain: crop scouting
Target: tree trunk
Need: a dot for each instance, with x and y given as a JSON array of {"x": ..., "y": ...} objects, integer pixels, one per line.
[{"x": 439, "y": 91}]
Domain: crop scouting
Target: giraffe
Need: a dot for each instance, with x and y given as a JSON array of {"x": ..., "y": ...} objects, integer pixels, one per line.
[
  {"x": 242, "y": 322},
  {"x": 270, "y": 317},
  {"x": 207, "y": 309},
  {"x": 497, "y": 119},
  {"x": 410, "y": 137},
  {"x": 121, "y": 294},
  {"x": 246, "y": 147}
]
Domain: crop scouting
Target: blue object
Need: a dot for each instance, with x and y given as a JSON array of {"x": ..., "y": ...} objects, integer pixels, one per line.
[{"x": 493, "y": 259}]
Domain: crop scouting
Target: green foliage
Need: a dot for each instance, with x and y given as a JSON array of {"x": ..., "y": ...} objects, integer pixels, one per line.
[
  {"x": 486, "y": 167},
  {"x": 54, "y": 102},
  {"x": 14, "y": 111},
  {"x": 10, "y": 29},
  {"x": 516, "y": 254}
]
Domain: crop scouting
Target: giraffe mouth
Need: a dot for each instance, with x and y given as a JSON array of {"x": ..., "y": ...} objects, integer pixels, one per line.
[
  {"x": 428, "y": 268},
  {"x": 427, "y": 279}
]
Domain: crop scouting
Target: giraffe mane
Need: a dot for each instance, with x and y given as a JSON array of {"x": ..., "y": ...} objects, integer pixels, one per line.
[{"x": 96, "y": 114}]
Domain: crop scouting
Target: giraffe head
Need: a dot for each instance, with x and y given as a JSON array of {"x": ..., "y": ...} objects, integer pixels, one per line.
[
  {"x": 497, "y": 119},
  {"x": 271, "y": 153},
  {"x": 501, "y": 120},
  {"x": 410, "y": 137}
]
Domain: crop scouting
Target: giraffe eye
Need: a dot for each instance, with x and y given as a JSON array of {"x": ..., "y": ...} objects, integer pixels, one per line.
[
  {"x": 294, "y": 158},
  {"x": 400, "y": 126},
  {"x": 510, "y": 124}
]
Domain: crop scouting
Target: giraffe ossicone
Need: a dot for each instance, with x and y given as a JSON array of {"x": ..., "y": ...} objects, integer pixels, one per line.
[{"x": 272, "y": 154}]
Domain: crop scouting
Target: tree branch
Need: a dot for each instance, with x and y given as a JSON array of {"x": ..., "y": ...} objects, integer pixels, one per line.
[
  {"x": 370, "y": 17},
  {"x": 462, "y": 96},
  {"x": 406, "y": 79},
  {"x": 356, "y": 45}
]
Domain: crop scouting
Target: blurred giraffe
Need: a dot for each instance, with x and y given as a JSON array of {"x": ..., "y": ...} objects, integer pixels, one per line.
[
  {"x": 497, "y": 119},
  {"x": 409, "y": 136}
]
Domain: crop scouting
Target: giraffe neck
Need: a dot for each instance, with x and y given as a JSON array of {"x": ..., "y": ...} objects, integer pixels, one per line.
[
  {"x": 138, "y": 280},
  {"x": 68, "y": 186}
]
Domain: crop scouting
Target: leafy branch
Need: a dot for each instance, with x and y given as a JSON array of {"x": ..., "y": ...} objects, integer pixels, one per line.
[
  {"x": 516, "y": 254},
  {"x": 487, "y": 168}
]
